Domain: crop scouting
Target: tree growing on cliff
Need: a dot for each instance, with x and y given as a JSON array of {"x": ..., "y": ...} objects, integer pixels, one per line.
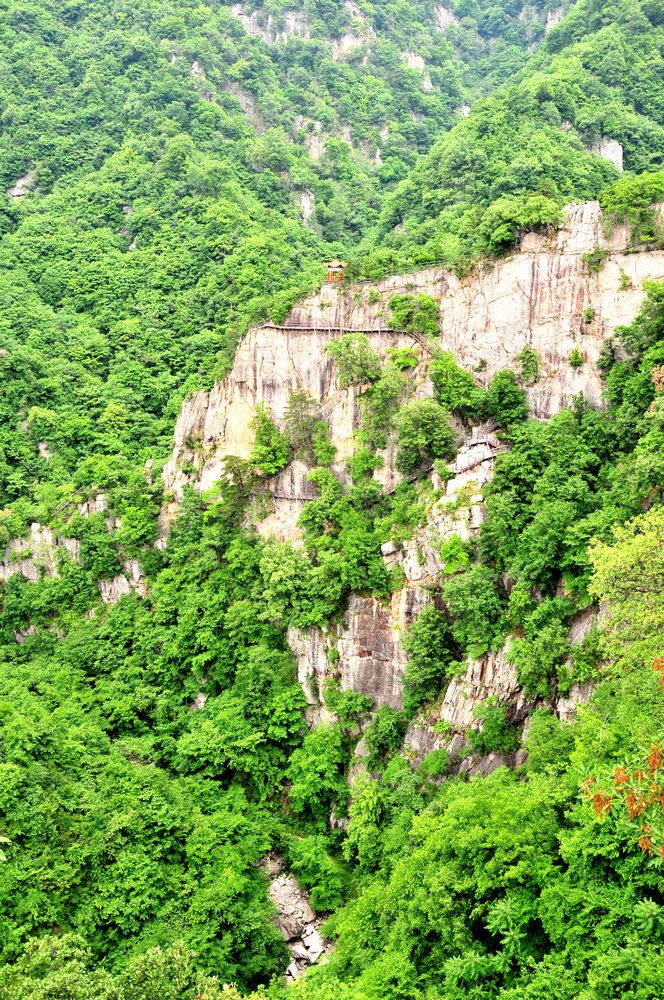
[
  {"x": 423, "y": 434},
  {"x": 357, "y": 362},
  {"x": 414, "y": 314},
  {"x": 270, "y": 452},
  {"x": 299, "y": 419},
  {"x": 506, "y": 401},
  {"x": 431, "y": 650}
]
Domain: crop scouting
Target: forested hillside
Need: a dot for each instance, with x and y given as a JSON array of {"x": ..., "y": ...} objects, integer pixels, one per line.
[{"x": 171, "y": 174}]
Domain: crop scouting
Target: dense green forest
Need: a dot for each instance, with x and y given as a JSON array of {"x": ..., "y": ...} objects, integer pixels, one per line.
[{"x": 163, "y": 154}]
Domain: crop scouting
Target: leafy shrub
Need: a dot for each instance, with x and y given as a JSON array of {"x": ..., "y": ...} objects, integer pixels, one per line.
[
  {"x": 575, "y": 357},
  {"x": 476, "y": 610},
  {"x": 357, "y": 362},
  {"x": 423, "y": 433},
  {"x": 384, "y": 735},
  {"x": 299, "y": 419},
  {"x": 434, "y": 764},
  {"x": 430, "y": 648},
  {"x": 403, "y": 358},
  {"x": 633, "y": 198},
  {"x": 379, "y": 403},
  {"x": 317, "y": 871},
  {"x": 454, "y": 388},
  {"x": 505, "y": 218},
  {"x": 454, "y": 555},
  {"x": 349, "y": 706},
  {"x": 594, "y": 259},
  {"x": 316, "y": 770},
  {"x": 586, "y": 657},
  {"x": 323, "y": 450},
  {"x": 506, "y": 401},
  {"x": 496, "y": 735},
  {"x": 408, "y": 313},
  {"x": 549, "y": 742},
  {"x": 529, "y": 364},
  {"x": 270, "y": 451},
  {"x": 538, "y": 659},
  {"x": 362, "y": 464}
]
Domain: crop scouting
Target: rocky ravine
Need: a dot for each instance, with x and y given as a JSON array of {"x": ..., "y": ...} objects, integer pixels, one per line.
[
  {"x": 298, "y": 923},
  {"x": 537, "y": 296}
]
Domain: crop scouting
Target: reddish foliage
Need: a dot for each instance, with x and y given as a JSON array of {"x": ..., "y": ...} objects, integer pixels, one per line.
[
  {"x": 658, "y": 665},
  {"x": 620, "y": 777},
  {"x": 657, "y": 375},
  {"x": 601, "y": 804},
  {"x": 641, "y": 789},
  {"x": 635, "y": 807},
  {"x": 654, "y": 759},
  {"x": 645, "y": 841}
]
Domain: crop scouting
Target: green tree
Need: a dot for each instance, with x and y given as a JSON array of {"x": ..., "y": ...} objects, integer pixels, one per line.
[
  {"x": 270, "y": 452},
  {"x": 423, "y": 434}
]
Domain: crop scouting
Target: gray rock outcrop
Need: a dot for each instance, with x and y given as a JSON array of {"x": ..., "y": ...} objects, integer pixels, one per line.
[{"x": 297, "y": 921}]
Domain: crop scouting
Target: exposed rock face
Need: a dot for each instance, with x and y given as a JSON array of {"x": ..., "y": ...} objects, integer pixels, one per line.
[
  {"x": 444, "y": 17},
  {"x": 40, "y": 553},
  {"x": 371, "y": 658},
  {"x": 413, "y": 60},
  {"x": 298, "y": 923},
  {"x": 21, "y": 187},
  {"x": 271, "y": 27},
  {"x": 37, "y": 554},
  {"x": 490, "y": 677},
  {"x": 610, "y": 150},
  {"x": 554, "y": 17},
  {"x": 535, "y": 297},
  {"x": 307, "y": 204},
  {"x": 460, "y": 512}
]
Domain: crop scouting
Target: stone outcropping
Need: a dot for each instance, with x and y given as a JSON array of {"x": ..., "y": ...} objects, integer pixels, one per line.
[
  {"x": 21, "y": 187},
  {"x": 610, "y": 150},
  {"x": 272, "y": 27},
  {"x": 41, "y": 551},
  {"x": 491, "y": 676},
  {"x": 540, "y": 296},
  {"x": 298, "y": 923},
  {"x": 367, "y": 653},
  {"x": 38, "y": 554}
]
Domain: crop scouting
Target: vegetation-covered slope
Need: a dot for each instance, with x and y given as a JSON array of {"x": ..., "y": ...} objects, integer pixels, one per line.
[
  {"x": 168, "y": 153},
  {"x": 524, "y": 151},
  {"x": 169, "y": 160}
]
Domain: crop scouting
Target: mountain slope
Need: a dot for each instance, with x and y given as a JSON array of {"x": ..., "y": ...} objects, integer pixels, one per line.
[{"x": 468, "y": 460}]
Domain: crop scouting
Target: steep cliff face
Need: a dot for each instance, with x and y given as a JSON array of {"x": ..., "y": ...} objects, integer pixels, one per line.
[
  {"x": 363, "y": 653},
  {"x": 543, "y": 296}
]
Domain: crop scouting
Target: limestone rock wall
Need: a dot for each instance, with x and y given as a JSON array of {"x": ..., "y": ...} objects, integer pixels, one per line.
[
  {"x": 490, "y": 677},
  {"x": 39, "y": 553},
  {"x": 362, "y": 653}
]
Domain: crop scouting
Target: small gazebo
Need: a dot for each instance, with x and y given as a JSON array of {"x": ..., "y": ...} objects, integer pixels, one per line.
[{"x": 335, "y": 270}]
